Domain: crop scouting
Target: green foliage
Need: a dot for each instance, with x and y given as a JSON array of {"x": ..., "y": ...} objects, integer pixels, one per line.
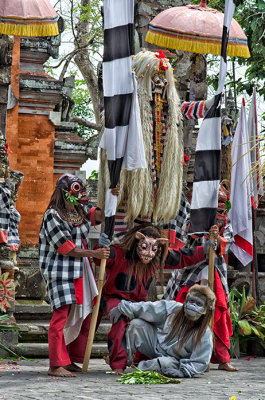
[
  {"x": 94, "y": 175},
  {"x": 71, "y": 199},
  {"x": 139, "y": 377},
  {"x": 83, "y": 107},
  {"x": 248, "y": 320},
  {"x": 250, "y": 14}
]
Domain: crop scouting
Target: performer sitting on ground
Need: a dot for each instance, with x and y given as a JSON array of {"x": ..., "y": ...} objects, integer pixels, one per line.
[
  {"x": 182, "y": 280},
  {"x": 176, "y": 338},
  {"x": 130, "y": 269},
  {"x": 64, "y": 263}
]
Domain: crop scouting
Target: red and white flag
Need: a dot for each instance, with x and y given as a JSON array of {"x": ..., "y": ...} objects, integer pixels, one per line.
[
  {"x": 241, "y": 212},
  {"x": 256, "y": 177}
]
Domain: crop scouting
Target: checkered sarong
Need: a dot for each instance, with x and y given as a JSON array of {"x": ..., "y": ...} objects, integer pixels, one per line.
[
  {"x": 176, "y": 225},
  {"x": 13, "y": 236},
  {"x": 189, "y": 276},
  {"x": 60, "y": 270},
  {"x": 5, "y": 196}
]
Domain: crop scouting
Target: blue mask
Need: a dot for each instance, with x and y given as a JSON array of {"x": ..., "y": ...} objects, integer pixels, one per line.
[{"x": 194, "y": 307}]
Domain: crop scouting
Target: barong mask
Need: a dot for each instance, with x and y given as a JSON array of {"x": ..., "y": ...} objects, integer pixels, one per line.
[
  {"x": 74, "y": 188},
  {"x": 159, "y": 84},
  {"x": 147, "y": 247},
  {"x": 224, "y": 205}
]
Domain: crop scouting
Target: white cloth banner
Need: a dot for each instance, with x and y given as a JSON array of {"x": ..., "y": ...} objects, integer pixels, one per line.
[
  {"x": 79, "y": 312},
  {"x": 241, "y": 213}
]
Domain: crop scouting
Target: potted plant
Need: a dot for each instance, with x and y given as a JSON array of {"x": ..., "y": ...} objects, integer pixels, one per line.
[{"x": 248, "y": 322}]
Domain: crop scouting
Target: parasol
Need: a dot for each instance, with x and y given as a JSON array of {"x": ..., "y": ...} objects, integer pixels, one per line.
[
  {"x": 196, "y": 29},
  {"x": 28, "y": 18}
]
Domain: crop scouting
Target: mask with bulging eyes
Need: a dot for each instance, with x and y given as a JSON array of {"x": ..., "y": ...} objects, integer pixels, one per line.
[
  {"x": 194, "y": 307},
  {"x": 147, "y": 247},
  {"x": 74, "y": 187},
  {"x": 159, "y": 83}
]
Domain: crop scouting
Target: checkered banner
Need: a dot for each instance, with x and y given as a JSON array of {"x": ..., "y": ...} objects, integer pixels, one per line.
[
  {"x": 122, "y": 137},
  {"x": 208, "y": 149}
]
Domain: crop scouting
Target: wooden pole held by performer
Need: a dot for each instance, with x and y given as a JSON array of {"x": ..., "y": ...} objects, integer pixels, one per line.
[
  {"x": 94, "y": 317},
  {"x": 211, "y": 265}
]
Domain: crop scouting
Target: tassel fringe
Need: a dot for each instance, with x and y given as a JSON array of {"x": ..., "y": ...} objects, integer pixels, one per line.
[
  {"x": 50, "y": 29},
  {"x": 202, "y": 47}
]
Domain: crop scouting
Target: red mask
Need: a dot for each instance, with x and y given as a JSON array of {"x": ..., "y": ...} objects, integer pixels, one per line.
[{"x": 147, "y": 247}]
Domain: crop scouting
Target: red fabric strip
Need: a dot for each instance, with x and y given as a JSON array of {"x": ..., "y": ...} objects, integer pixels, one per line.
[
  {"x": 244, "y": 244},
  {"x": 190, "y": 110},
  {"x": 201, "y": 109},
  {"x": 66, "y": 247},
  {"x": 3, "y": 236}
]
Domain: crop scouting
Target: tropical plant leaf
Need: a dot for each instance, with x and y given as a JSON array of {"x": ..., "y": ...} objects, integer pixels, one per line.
[
  {"x": 248, "y": 306},
  {"x": 255, "y": 330},
  {"x": 243, "y": 300},
  {"x": 245, "y": 326}
]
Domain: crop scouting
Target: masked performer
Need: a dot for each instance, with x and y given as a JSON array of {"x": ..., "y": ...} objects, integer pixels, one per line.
[
  {"x": 64, "y": 262},
  {"x": 154, "y": 193},
  {"x": 176, "y": 338},
  {"x": 182, "y": 280},
  {"x": 130, "y": 269}
]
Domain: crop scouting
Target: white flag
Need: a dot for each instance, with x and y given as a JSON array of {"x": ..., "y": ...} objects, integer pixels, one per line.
[
  {"x": 241, "y": 213},
  {"x": 256, "y": 177}
]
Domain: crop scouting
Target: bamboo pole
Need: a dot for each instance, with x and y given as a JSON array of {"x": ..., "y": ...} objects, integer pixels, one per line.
[
  {"x": 211, "y": 265},
  {"x": 94, "y": 317}
]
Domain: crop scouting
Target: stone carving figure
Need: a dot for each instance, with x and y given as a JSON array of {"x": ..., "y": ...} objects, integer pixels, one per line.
[{"x": 16, "y": 178}]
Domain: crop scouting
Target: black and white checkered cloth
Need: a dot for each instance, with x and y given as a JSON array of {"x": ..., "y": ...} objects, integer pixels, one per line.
[
  {"x": 60, "y": 270},
  {"x": 5, "y": 196},
  {"x": 13, "y": 236},
  {"x": 190, "y": 275},
  {"x": 181, "y": 219},
  {"x": 208, "y": 147}
]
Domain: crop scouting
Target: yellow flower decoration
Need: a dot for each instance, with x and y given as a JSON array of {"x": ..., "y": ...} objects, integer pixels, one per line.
[
  {"x": 233, "y": 398},
  {"x": 7, "y": 290}
]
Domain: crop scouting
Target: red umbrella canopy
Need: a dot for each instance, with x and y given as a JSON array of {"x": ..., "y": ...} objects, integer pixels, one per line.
[
  {"x": 197, "y": 29},
  {"x": 28, "y": 18}
]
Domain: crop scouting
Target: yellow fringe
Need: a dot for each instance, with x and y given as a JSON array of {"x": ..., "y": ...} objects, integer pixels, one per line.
[
  {"x": 196, "y": 47},
  {"x": 50, "y": 29}
]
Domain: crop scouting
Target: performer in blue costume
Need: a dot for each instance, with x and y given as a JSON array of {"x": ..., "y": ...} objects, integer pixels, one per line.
[{"x": 176, "y": 338}]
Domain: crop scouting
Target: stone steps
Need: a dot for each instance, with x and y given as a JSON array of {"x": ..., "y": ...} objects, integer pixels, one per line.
[
  {"x": 33, "y": 318},
  {"x": 40, "y": 350},
  {"x": 38, "y": 331}
]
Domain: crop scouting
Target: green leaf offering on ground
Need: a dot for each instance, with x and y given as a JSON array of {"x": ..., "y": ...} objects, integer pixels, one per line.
[{"x": 139, "y": 377}]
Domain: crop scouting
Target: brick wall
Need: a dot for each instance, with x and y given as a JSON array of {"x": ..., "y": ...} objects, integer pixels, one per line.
[{"x": 35, "y": 159}]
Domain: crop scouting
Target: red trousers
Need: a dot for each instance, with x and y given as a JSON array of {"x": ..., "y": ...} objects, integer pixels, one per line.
[
  {"x": 59, "y": 354},
  {"x": 116, "y": 339}
]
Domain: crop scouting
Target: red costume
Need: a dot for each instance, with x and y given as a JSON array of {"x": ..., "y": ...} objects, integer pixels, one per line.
[{"x": 116, "y": 289}]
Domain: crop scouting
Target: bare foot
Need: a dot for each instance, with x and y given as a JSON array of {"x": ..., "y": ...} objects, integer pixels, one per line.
[
  {"x": 117, "y": 371},
  {"x": 73, "y": 368},
  {"x": 60, "y": 372},
  {"x": 114, "y": 371},
  {"x": 106, "y": 359},
  {"x": 227, "y": 367}
]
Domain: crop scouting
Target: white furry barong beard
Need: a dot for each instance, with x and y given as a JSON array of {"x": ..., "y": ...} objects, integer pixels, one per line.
[{"x": 136, "y": 187}]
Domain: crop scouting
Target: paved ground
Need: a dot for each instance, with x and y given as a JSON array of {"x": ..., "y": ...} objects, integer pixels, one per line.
[{"x": 29, "y": 380}]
